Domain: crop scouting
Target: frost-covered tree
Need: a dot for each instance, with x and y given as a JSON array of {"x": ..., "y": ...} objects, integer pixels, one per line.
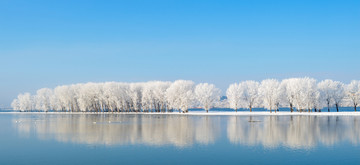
[
  {"x": 249, "y": 93},
  {"x": 316, "y": 102},
  {"x": 180, "y": 95},
  {"x": 269, "y": 92},
  {"x": 153, "y": 96},
  {"x": 43, "y": 97},
  {"x": 233, "y": 96},
  {"x": 88, "y": 98},
  {"x": 353, "y": 93},
  {"x": 339, "y": 94},
  {"x": 311, "y": 93},
  {"x": 135, "y": 93},
  {"x": 332, "y": 92},
  {"x": 148, "y": 97},
  {"x": 65, "y": 95},
  {"x": 280, "y": 97},
  {"x": 306, "y": 91},
  {"x": 327, "y": 91},
  {"x": 207, "y": 95},
  {"x": 287, "y": 86},
  {"x": 24, "y": 102},
  {"x": 160, "y": 94},
  {"x": 109, "y": 96}
]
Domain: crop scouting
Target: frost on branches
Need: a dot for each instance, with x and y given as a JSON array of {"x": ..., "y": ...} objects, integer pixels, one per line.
[{"x": 300, "y": 94}]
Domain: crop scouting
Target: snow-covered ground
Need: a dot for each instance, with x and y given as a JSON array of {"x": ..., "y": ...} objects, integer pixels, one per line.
[{"x": 239, "y": 113}]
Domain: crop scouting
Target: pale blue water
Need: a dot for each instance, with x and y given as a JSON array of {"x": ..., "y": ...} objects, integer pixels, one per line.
[{"x": 175, "y": 139}]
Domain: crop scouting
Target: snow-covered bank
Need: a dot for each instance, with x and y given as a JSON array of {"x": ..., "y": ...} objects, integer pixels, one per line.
[{"x": 211, "y": 113}]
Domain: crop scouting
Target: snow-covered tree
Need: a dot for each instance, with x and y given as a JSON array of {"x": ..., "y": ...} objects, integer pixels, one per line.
[
  {"x": 339, "y": 94},
  {"x": 207, "y": 95},
  {"x": 269, "y": 92},
  {"x": 306, "y": 92},
  {"x": 316, "y": 102},
  {"x": 135, "y": 93},
  {"x": 233, "y": 96},
  {"x": 160, "y": 94},
  {"x": 43, "y": 97},
  {"x": 24, "y": 102},
  {"x": 64, "y": 95},
  {"x": 109, "y": 95},
  {"x": 327, "y": 90},
  {"x": 287, "y": 86},
  {"x": 180, "y": 95},
  {"x": 148, "y": 101},
  {"x": 311, "y": 93},
  {"x": 332, "y": 92},
  {"x": 249, "y": 93},
  {"x": 353, "y": 93}
]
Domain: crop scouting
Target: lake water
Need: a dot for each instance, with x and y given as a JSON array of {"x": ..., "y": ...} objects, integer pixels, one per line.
[{"x": 178, "y": 139}]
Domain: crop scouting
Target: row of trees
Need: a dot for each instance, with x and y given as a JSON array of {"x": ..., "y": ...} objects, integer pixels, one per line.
[
  {"x": 153, "y": 96},
  {"x": 304, "y": 94},
  {"x": 301, "y": 94}
]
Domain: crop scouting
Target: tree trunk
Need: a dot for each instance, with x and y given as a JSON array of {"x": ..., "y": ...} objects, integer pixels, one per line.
[
  {"x": 355, "y": 107},
  {"x": 250, "y": 109},
  {"x": 270, "y": 110},
  {"x": 207, "y": 111},
  {"x": 337, "y": 107},
  {"x": 291, "y": 108},
  {"x": 328, "y": 106}
]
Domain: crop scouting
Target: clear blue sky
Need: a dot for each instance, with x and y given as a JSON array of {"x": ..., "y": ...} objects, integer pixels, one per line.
[{"x": 50, "y": 43}]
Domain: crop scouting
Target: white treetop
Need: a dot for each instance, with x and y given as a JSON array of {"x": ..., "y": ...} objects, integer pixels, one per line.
[
  {"x": 233, "y": 96},
  {"x": 332, "y": 92},
  {"x": 23, "y": 102},
  {"x": 249, "y": 94},
  {"x": 305, "y": 93},
  {"x": 268, "y": 90},
  {"x": 180, "y": 95},
  {"x": 43, "y": 97},
  {"x": 287, "y": 87},
  {"x": 353, "y": 93},
  {"x": 207, "y": 94}
]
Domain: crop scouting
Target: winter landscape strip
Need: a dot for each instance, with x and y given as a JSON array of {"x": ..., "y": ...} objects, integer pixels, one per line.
[
  {"x": 211, "y": 113},
  {"x": 297, "y": 94}
]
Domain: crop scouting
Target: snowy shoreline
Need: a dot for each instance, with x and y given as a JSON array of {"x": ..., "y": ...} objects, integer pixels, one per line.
[{"x": 203, "y": 113}]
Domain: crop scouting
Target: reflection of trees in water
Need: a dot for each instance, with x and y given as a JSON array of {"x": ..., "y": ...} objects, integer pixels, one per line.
[
  {"x": 293, "y": 131},
  {"x": 122, "y": 129},
  {"x": 269, "y": 131}
]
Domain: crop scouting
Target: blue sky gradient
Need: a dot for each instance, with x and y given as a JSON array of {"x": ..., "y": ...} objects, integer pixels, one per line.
[{"x": 50, "y": 43}]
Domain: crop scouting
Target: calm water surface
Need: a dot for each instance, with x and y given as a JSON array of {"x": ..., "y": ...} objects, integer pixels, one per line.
[{"x": 177, "y": 139}]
